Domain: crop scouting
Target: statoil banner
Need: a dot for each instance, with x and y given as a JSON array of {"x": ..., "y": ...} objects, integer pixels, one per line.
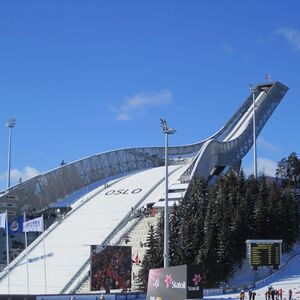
[{"x": 176, "y": 283}]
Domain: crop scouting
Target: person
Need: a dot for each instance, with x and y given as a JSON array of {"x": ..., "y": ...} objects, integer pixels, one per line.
[
  {"x": 250, "y": 294},
  {"x": 273, "y": 294},
  {"x": 269, "y": 294},
  {"x": 253, "y": 295},
  {"x": 101, "y": 297},
  {"x": 242, "y": 295},
  {"x": 280, "y": 294},
  {"x": 277, "y": 294},
  {"x": 290, "y": 294}
]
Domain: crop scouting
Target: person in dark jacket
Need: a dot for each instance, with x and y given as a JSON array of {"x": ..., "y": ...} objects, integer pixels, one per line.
[
  {"x": 290, "y": 294},
  {"x": 250, "y": 294}
]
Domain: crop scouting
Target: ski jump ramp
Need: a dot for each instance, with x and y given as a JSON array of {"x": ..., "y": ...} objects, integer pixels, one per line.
[{"x": 110, "y": 187}]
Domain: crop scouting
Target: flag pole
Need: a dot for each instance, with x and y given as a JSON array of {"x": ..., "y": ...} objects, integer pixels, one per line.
[
  {"x": 44, "y": 256},
  {"x": 26, "y": 245},
  {"x": 7, "y": 254}
]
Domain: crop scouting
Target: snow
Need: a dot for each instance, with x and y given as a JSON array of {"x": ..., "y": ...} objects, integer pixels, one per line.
[
  {"x": 286, "y": 278},
  {"x": 94, "y": 217},
  {"x": 243, "y": 121},
  {"x": 67, "y": 245}
]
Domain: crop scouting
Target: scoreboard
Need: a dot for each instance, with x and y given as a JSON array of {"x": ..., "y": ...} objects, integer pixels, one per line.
[{"x": 265, "y": 254}]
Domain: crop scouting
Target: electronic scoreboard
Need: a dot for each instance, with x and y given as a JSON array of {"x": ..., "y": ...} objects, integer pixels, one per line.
[{"x": 264, "y": 253}]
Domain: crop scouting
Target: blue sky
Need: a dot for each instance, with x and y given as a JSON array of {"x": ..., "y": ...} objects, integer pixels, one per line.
[{"x": 83, "y": 77}]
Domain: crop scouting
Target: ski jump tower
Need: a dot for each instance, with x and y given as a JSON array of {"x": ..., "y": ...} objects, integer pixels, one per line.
[{"x": 119, "y": 181}]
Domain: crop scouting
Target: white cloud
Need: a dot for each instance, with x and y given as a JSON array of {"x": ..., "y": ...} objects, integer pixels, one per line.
[
  {"x": 266, "y": 145},
  {"x": 264, "y": 166},
  {"x": 15, "y": 174},
  {"x": 121, "y": 116},
  {"x": 291, "y": 35},
  {"x": 137, "y": 104},
  {"x": 228, "y": 49}
]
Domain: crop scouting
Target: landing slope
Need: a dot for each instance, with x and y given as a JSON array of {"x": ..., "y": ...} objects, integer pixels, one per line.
[{"x": 67, "y": 247}]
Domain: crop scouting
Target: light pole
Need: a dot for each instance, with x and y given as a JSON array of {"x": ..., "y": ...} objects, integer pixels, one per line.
[
  {"x": 254, "y": 134},
  {"x": 10, "y": 124},
  {"x": 166, "y": 130}
]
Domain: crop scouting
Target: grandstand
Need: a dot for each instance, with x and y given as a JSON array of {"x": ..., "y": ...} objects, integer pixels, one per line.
[{"x": 99, "y": 198}]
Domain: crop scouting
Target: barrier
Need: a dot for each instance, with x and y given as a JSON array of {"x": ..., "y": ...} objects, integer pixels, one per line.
[
  {"x": 121, "y": 296},
  {"x": 212, "y": 292}
]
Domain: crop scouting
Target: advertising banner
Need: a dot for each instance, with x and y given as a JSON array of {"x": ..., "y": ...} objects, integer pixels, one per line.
[
  {"x": 194, "y": 282},
  {"x": 176, "y": 283}
]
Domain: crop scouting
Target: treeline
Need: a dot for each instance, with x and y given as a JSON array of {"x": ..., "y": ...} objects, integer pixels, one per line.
[{"x": 210, "y": 226}]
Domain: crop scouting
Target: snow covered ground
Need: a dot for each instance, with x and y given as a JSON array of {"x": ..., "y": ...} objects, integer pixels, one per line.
[
  {"x": 286, "y": 278},
  {"x": 246, "y": 276},
  {"x": 67, "y": 247}
]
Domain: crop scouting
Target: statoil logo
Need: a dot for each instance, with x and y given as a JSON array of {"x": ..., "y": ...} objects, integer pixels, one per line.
[
  {"x": 156, "y": 283},
  {"x": 197, "y": 279},
  {"x": 170, "y": 283}
]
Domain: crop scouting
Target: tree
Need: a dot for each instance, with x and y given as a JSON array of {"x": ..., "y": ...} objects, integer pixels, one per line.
[
  {"x": 288, "y": 170},
  {"x": 192, "y": 210},
  {"x": 261, "y": 220},
  {"x": 210, "y": 225},
  {"x": 208, "y": 252},
  {"x": 252, "y": 191},
  {"x": 151, "y": 259},
  {"x": 240, "y": 221},
  {"x": 174, "y": 229}
]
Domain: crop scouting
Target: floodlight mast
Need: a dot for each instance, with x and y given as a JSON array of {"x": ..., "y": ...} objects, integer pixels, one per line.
[
  {"x": 253, "y": 90},
  {"x": 166, "y": 130},
  {"x": 10, "y": 125}
]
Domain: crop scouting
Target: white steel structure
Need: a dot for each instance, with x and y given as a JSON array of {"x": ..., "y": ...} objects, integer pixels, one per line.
[
  {"x": 10, "y": 124},
  {"x": 167, "y": 131},
  {"x": 126, "y": 180}
]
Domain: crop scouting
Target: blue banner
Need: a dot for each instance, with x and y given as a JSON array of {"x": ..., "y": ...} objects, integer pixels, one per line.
[{"x": 16, "y": 226}]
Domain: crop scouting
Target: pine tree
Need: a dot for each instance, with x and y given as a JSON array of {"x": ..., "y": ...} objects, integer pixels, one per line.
[
  {"x": 192, "y": 211},
  {"x": 252, "y": 190},
  {"x": 151, "y": 259},
  {"x": 261, "y": 217},
  {"x": 288, "y": 170},
  {"x": 208, "y": 253},
  {"x": 227, "y": 201},
  {"x": 240, "y": 222},
  {"x": 274, "y": 198},
  {"x": 210, "y": 226},
  {"x": 159, "y": 236},
  {"x": 224, "y": 257},
  {"x": 287, "y": 218},
  {"x": 175, "y": 258}
]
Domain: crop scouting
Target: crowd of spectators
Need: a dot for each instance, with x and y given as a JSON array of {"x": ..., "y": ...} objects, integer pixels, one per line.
[
  {"x": 147, "y": 211},
  {"x": 111, "y": 269}
]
